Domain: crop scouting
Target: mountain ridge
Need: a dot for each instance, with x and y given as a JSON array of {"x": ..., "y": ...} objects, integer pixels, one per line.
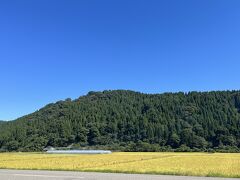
[{"x": 131, "y": 121}]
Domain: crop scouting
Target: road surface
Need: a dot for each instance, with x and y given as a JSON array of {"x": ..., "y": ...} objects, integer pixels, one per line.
[{"x": 63, "y": 175}]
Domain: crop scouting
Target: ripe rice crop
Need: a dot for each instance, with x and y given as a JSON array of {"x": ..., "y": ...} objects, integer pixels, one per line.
[{"x": 196, "y": 164}]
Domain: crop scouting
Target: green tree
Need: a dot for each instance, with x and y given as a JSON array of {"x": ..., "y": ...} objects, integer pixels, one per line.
[{"x": 174, "y": 140}]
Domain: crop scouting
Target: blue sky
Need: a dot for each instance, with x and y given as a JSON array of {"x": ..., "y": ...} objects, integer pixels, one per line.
[{"x": 54, "y": 49}]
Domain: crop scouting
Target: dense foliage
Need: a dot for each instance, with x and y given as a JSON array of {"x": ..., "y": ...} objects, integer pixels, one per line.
[{"x": 131, "y": 121}]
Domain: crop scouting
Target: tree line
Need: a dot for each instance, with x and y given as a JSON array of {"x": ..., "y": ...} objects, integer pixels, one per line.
[{"x": 131, "y": 121}]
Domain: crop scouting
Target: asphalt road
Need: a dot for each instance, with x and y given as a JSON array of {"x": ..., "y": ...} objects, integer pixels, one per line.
[{"x": 63, "y": 175}]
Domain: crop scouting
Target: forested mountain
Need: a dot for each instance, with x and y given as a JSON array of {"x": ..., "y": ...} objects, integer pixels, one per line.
[
  {"x": 131, "y": 121},
  {"x": 2, "y": 122}
]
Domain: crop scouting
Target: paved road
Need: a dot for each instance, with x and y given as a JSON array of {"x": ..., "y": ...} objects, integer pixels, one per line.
[{"x": 62, "y": 175}]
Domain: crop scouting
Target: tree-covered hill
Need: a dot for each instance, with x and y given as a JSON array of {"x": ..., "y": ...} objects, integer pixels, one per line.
[{"x": 131, "y": 121}]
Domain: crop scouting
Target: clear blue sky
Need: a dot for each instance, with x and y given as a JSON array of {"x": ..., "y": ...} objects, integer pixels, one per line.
[{"x": 54, "y": 49}]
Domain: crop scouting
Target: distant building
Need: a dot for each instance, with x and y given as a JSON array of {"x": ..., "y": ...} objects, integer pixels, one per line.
[
  {"x": 78, "y": 151},
  {"x": 49, "y": 148}
]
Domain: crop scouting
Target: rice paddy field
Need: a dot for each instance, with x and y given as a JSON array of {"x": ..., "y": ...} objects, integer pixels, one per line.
[{"x": 192, "y": 164}]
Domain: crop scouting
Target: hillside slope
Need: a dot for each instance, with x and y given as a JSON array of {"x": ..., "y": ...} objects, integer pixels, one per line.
[{"x": 130, "y": 121}]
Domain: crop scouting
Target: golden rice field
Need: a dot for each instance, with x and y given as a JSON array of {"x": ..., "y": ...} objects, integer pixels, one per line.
[{"x": 194, "y": 164}]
